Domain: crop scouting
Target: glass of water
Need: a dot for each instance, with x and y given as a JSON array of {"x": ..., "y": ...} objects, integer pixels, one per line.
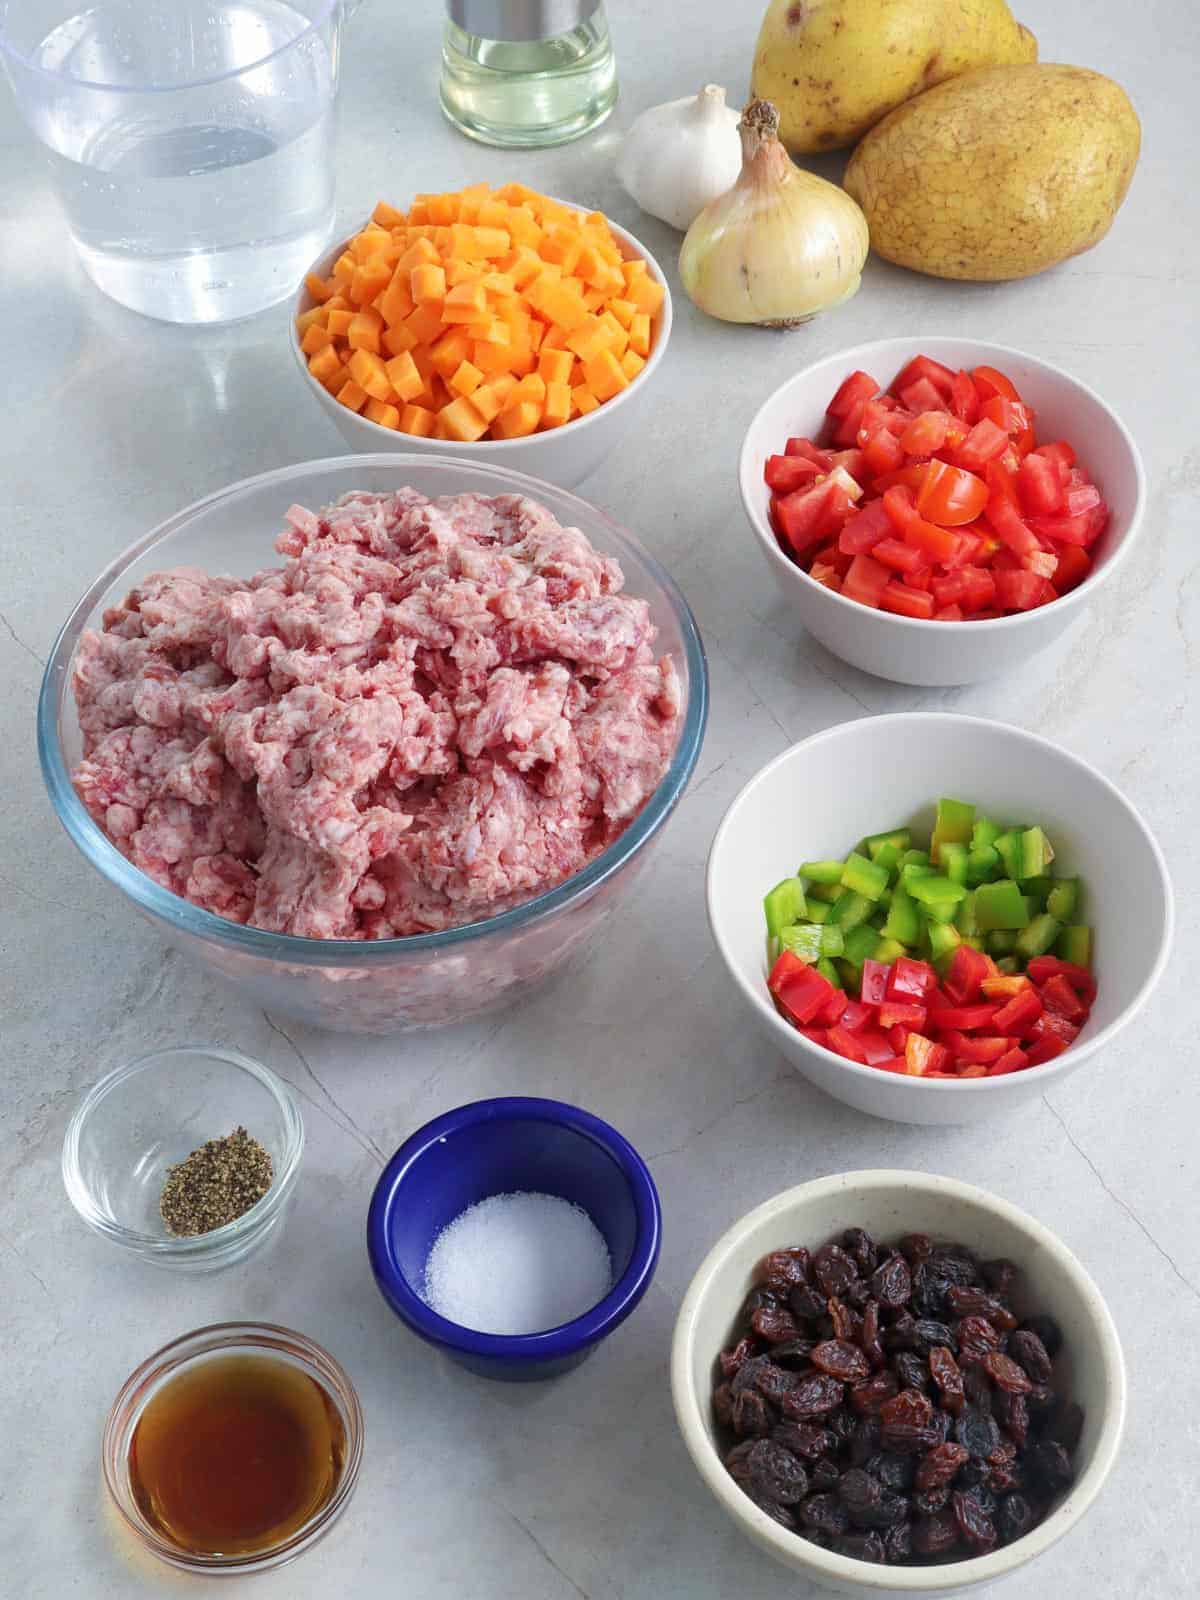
[{"x": 191, "y": 141}]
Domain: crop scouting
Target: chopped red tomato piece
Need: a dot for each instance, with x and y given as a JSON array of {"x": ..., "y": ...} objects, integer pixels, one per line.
[
  {"x": 811, "y": 452},
  {"x": 864, "y": 529},
  {"x": 951, "y": 496},
  {"x": 907, "y": 602},
  {"x": 1039, "y": 485},
  {"x": 964, "y": 397},
  {"x": 983, "y": 444},
  {"x": 925, "y": 433},
  {"x": 865, "y": 581},
  {"x": 786, "y": 474},
  {"x": 858, "y": 388},
  {"x": 923, "y": 396},
  {"x": 812, "y": 514},
  {"x": 988, "y": 382},
  {"x": 895, "y": 553},
  {"x": 924, "y": 368}
]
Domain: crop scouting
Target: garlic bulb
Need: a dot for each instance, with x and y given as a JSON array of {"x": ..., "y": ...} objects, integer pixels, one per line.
[
  {"x": 679, "y": 156},
  {"x": 781, "y": 245}
]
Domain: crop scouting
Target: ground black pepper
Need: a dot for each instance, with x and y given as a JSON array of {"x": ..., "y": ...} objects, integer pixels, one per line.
[{"x": 215, "y": 1185}]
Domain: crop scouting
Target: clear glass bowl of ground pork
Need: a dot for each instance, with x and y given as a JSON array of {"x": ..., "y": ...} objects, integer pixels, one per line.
[{"x": 396, "y": 768}]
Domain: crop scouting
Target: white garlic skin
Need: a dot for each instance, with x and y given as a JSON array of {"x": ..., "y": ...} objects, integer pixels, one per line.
[{"x": 678, "y": 156}]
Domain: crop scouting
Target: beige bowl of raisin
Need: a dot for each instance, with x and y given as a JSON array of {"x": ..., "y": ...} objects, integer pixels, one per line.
[{"x": 888, "y": 1206}]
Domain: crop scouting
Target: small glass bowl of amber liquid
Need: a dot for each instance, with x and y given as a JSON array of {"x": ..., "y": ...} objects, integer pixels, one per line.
[{"x": 233, "y": 1449}]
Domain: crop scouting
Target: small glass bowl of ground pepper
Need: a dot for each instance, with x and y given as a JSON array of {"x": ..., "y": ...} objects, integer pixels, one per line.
[{"x": 186, "y": 1157}]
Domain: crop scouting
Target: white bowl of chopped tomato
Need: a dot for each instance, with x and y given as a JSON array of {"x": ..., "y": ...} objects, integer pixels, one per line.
[
  {"x": 936, "y": 510},
  {"x": 957, "y": 1042}
]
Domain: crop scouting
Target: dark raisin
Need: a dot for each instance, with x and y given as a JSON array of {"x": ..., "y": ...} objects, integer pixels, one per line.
[
  {"x": 774, "y": 1382},
  {"x": 896, "y": 1473},
  {"x": 857, "y": 1293},
  {"x": 910, "y": 1405},
  {"x": 936, "y": 1535},
  {"x": 755, "y": 1301},
  {"x": 782, "y": 1514},
  {"x": 723, "y": 1404},
  {"x": 891, "y": 1283},
  {"x": 976, "y": 1337},
  {"x": 834, "y": 1269},
  {"x": 843, "y": 1360},
  {"x": 941, "y": 1423},
  {"x": 909, "y": 1438},
  {"x": 1012, "y": 1413},
  {"x": 859, "y": 1491},
  {"x": 1000, "y": 1276},
  {"x": 957, "y": 1264},
  {"x": 862, "y": 1249},
  {"x": 927, "y": 1333},
  {"x": 930, "y": 1290},
  {"x": 847, "y": 1324},
  {"x": 897, "y": 1544},
  {"x": 973, "y": 1474},
  {"x": 842, "y": 1423},
  {"x": 804, "y": 1439},
  {"x": 1006, "y": 1374},
  {"x": 825, "y": 1475},
  {"x": 916, "y": 1246},
  {"x": 807, "y": 1303},
  {"x": 911, "y": 1369},
  {"x": 1025, "y": 1346},
  {"x": 751, "y": 1416},
  {"x": 774, "y": 1325},
  {"x": 872, "y": 1344},
  {"x": 746, "y": 1376},
  {"x": 1048, "y": 1331},
  {"x": 928, "y": 1502},
  {"x": 1014, "y": 1518},
  {"x": 1041, "y": 1400},
  {"x": 1004, "y": 1470},
  {"x": 901, "y": 1332},
  {"x": 825, "y": 1513},
  {"x": 864, "y": 1441},
  {"x": 861, "y": 1547},
  {"x": 945, "y": 1372},
  {"x": 968, "y": 1302},
  {"x": 783, "y": 1270},
  {"x": 768, "y": 1472},
  {"x": 977, "y": 1386},
  {"x": 795, "y": 1353},
  {"x": 814, "y": 1396},
  {"x": 977, "y": 1432},
  {"x": 1051, "y": 1466},
  {"x": 869, "y": 1396},
  {"x": 731, "y": 1360},
  {"x": 940, "y": 1465},
  {"x": 976, "y": 1527},
  {"x": 1067, "y": 1426}
]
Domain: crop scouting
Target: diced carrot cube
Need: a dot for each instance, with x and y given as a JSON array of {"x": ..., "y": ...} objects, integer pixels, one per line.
[
  {"x": 364, "y": 331},
  {"x": 324, "y": 364},
  {"x": 417, "y": 420},
  {"x": 450, "y": 351},
  {"x": 466, "y": 302},
  {"x": 369, "y": 372},
  {"x": 315, "y": 317},
  {"x": 379, "y": 411},
  {"x": 443, "y": 208},
  {"x": 370, "y": 279},
  {"x": 318, "y": 287},
  {"x": 492, "y": 243},
  {"x": 561, "y": 245},
  {"x": 396, "y": 341},
  {"x": 461, "y": 421},
  {"x": 344, "y": 269},
  {"x": 491, "y": 398},
  {"x": 493, "y": 214},
  {"x": 518, "y": 421},
  {"x": 523, "y": 228},
  {"x": 427, "y": 283},
  {"x": 639, "y": 334},
  {"x": 458, "y": 271},
  {"x": 603, "y": 375},
  {"x": 624, "y": 311},
  {"x": 315, "y": 338},
  {"x": 403, "y": 376},
  {"x": 557, "y": 408},
  {"x": 387, "y": 216},
  {"x": 590, "y": 340},
  {"x": 583, "y": 400},
  {"x": 351, "y": 396},
  {"x": 631, "y": 364},
  {"x": 420, "y": 252},
  {"x": 465, "y": 379},
  {"x": 339, "y": 323},
  {"x": 531, "y": 388},
  {"x": 555, "y": 365},
  {"x": 490, "y": 357},
  {"x": 425, "y": 322}
]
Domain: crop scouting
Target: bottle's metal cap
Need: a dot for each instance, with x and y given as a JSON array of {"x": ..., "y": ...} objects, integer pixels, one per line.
[{"x": 519, "y": 19}]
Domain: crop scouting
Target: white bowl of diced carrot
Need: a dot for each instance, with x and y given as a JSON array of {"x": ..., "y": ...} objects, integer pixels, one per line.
[{"x": 499, "y": 323}]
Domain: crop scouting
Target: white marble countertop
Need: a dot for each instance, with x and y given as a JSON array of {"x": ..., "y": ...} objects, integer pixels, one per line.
[{"x": 582, "y": 1488}]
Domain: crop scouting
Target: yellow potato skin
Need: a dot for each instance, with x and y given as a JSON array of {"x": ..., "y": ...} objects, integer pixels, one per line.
[
  {"x": 998, "y": 174},
  {"x": 833, "y": 68}
]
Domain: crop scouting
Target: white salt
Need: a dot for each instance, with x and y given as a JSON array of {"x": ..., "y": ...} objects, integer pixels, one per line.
[{"x": 517, "y": 1263}]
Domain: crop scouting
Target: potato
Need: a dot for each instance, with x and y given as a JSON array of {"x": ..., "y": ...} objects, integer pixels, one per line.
[
  {"x": 835, "y": 67},
  {"x": 998, "y": 174}
]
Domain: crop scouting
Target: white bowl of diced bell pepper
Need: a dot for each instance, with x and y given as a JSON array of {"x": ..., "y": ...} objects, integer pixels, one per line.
[{"x": 1098, "y": 891}]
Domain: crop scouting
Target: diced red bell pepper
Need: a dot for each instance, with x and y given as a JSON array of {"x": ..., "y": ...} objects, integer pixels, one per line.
[
  {"x": 1013, "y": 1061},
  {"x": 1003, "y": 985},
  {"x": 865, "y": 581},
  {"x": 873, "y": 989},
  {"x": 800, "y": 446},
  {"x": 906, "y": 602},
  {"x": 969, "y": 1019},
  {"x": 898, "y": 1035},
  {"x": 786, "y": 474},
  {"x": 846, "y": 1044},
  {"x": 1050, "y": 1022},
  {"x": 892, "y": 1064},
  {"x": 858, "y": 388},
  {"x": 1045, "y": 1048},
  {"x": 1039, "y": 486},
  {"x": 855, "y": 1015},
  {"x": 922, "y": 1055},
  {"x": 964, "y": 397},
  {"x": 1019, "y": 1014},
  {"x": 864, "y": 528},
  {"x": 910, "y": 979},
  {"x": 1059, "y": 997},
  {"x": 814, "y": 1035},
  {"x": 895, "y": 553},
  {"x": 830, "y": 1013},
  {"x": 949, "y": 614},
  {"x": 966, "y": 972},
  {"x": 925, "y": 433},
  {"x": 1080, "y": 979},
  {"x": 876, "y": 1046},
  {"x": 951, "y": 496},
  {"x": 924, "y": 367},
  {"x": 798, "y": 988},
  {"x": 906, "y": 1014},
  {"x": 964, "y": 1048}
]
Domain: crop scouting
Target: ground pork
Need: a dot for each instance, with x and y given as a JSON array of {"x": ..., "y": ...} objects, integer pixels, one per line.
[{"x": 433, "y": 711}]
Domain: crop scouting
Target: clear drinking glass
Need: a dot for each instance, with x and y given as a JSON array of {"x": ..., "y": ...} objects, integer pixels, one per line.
[{"x": 191, "y": 141}]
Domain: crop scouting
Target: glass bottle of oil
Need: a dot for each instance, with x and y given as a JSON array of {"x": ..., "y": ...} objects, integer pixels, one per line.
[{"x": 527, "y": 72}]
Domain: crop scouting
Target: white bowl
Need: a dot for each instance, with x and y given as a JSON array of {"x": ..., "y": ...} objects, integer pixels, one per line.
[
  {"x": 563, "y": 455},
  {"x": 888, "y": 1204},
  {"x": 819, "y": 798},
  {"x": 904, "y": 648}
]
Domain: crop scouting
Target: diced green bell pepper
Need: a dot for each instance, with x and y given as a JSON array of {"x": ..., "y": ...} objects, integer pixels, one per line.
[
  {"x": 1009, "y": 966},
  {"x": 985, "y": 833},
  {"x": 887, "y": 856},
  {"x": 849, "y": 976},
  {"x": 911, "y": 871},
  {"x": 1009, "y": 847},
  {"x": 954, "y": 861},
  {"x": 1033, "y": 906},
  {"x": 783, "y": 906},
  {"x": 1001, "y": 942},
  {"x": 829, "y": 892},
  {"x": 861, "y": 944},
  {"x": 1039, "y": 887},
  {"x": 1037, "y": 938},
  {"x": 935, "y": 892},
  {"x": 1036, "y": 853},
  {"x": 850, "y": 909},
  {"x": 888, "y": 950},
  {"x": 829, "y": 972},
  {"x": 820, "y": 871},
  {"x": 903, "y": 925},
  {"x": 864, "y": 877},
  {"x": 818, "y": 910},
  {"x": 897, "y": 839},
  {"x": 1075, "y": 944},
  {"x": 885, "y": 900},
  {"x": 944, "y": 940},
  {"x": 1065, "y": 900},
  {"x": 915, "y": 858},
  {"x": 983, "y": 864},
  {"x": 953, "y": 825},
  {"x": 803, "y": 939},
  {"x": 965, "y": 919},
  {"x": 833, "y": 940},
  {"x": 975, "y": 940},
  {"x": 1000, "y": 905}
]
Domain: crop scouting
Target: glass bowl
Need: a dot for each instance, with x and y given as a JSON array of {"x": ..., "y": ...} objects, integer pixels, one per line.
[
  {"x": 150, "y": 1114},
  {"x": 384, "y": 985},
  {"x": 222, "y": 1339}
]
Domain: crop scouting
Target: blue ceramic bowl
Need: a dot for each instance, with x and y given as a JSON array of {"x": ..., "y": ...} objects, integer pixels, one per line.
[{"x": 497, "y": 1147}]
